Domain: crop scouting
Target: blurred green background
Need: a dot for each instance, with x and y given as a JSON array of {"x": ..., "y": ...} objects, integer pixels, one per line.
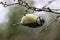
[{"x": 11, "y": 32}]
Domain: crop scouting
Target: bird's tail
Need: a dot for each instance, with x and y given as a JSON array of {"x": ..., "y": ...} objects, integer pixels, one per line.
[{"x": 17, "y": 24}]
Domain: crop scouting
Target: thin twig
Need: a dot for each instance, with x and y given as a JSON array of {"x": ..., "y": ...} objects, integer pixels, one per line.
[
  {"x": 25, "y": 4},
  {"x": 48, "y": 3}
]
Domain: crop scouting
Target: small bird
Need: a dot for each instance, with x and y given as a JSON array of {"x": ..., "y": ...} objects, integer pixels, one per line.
[{"x": 32, "y": 20}]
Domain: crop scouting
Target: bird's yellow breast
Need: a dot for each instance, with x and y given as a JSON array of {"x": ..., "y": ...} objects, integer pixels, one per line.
[{"x": 29, "y": 18}]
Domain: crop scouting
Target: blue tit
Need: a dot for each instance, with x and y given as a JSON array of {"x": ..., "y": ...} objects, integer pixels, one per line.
[{"x": 32, "y": 20}]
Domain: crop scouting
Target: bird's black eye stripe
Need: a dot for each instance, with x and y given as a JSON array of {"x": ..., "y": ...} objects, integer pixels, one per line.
[{"x": 40, "y": 21}]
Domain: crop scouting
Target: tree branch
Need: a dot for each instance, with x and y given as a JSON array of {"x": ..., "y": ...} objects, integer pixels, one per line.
[{"x": 25, "y": 4}]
